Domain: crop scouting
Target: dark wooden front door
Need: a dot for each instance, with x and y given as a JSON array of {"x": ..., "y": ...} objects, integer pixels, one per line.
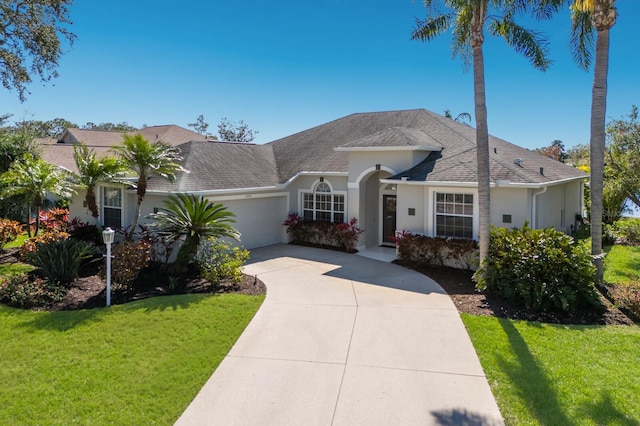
[{"x": 389, "y": 219}]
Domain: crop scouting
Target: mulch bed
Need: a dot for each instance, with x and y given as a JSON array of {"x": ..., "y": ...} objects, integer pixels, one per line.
[{"x": 461, "y": 288}]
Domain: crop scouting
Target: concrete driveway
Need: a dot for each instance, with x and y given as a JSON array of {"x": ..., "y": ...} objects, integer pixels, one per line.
[{"x": 346, "y": 340}]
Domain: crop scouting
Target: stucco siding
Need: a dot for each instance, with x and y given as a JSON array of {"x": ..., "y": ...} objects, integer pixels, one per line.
[
  {"x": 411, "y": 197},
  {"x": 512, "y": 204},
  {"x": 360, "y": 162}
]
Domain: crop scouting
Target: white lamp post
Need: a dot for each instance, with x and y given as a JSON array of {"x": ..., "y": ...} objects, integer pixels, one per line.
[{"x": 107, "y": 237}]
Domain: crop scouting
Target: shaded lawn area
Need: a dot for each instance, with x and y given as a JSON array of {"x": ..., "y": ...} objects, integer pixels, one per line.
[
  {"x": 545, "y": 374},
  {"x": 622, "y": 264},
  {"x": 139, "y": 363}
]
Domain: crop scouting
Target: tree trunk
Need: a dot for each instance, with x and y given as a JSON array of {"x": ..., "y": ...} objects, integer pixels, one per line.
[
  {"x": 37, "y": 203},
  {"x": 141, "y": 191},
  {"x": 186, "y": 253},
  {"x": 597, "y": 145},
  {"x": 90, "y": 198},
  {"x": 482, "y": 130}
]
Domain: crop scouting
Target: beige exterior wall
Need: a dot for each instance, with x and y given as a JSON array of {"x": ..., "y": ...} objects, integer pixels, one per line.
[
  {"x": 411, "y": 197},
  {"x": 363, "y": 162},
  {"x": 514, "y": 202}
]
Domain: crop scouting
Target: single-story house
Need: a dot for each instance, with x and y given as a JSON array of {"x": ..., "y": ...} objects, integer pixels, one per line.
[{"x": 408, "y": 170}]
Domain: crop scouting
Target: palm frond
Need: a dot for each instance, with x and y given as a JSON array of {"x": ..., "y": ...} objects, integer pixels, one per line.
[
  {"x": 582, "y": 38},
  {"x": 530, "y": 44},
  {"x": 431, "y": 27}
]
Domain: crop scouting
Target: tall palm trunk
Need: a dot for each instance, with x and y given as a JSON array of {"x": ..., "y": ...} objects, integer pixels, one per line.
[
  {"x": 604, "y": 17},
  {"x": 141, "y": 191},
  {"x": 482, "y": 129},
  {"x": 597, "y": 145}
]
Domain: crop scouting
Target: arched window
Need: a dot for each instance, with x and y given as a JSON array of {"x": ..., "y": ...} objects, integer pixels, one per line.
[{"x": 322, "y": 204}]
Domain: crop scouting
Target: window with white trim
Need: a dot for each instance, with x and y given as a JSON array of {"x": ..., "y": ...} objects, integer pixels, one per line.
[
  {"x": 454, "y": 215},
  {"x": 322, "y": 204},
  {"x": 112, "y": 207}
]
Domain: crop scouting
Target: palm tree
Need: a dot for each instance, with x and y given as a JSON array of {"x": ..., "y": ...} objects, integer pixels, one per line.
[
  {"x": 93, "y": 170},
  {"x": 192, "y": 218},
  {"x": 463, "y": 117},
  {"x": 467, "y": 20},
  {"x": 147, "y": 159},
  {"x": 33, "y": 178},
  {"x": 587, "y": 16}
]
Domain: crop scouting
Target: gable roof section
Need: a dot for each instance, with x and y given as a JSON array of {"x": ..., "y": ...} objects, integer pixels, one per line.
[
  {"x": 314, "y": 149},
  {"x": 393, "y": 138},
  {"x": 221, "y": 166}
]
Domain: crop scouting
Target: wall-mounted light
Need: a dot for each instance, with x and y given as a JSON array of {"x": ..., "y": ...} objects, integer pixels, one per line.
[{"x": 321, "y": 178}]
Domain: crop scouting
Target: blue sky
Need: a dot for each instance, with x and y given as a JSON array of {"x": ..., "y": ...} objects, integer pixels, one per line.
[{"x": 286, "y": 66}]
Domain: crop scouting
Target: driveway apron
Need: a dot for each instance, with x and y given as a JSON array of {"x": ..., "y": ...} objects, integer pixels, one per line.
[{"x": 345, "y": 340}]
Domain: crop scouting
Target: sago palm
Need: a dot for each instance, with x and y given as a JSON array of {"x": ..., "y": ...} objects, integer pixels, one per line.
[
  {"x": 33, "y": 178},
  {"x": 146, "y": 159},
  {"x": 599, "y": 16},
  {"x": 467, "y": 20},
  {"x": 192, "y": 218},
  {"x": 93, "y": 170}
]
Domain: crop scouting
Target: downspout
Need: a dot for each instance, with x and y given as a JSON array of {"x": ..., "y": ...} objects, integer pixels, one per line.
[{"x": 534, "y": 212}]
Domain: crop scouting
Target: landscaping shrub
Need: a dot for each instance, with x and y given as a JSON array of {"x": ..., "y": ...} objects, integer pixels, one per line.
[
  {"x": 60, "y": 260},
  {"x": 542, "y": 269},
  {"x": 21, "y": 291},
  {"x": 629, "y": 230},
  {"x": 129, "y": 258},
  {"x": 31, "y": 244},
  {"x": 420, "y": 250},
  {"x": 342, "y": 235},
  {"x": 82, "y": 231},
  {"x": 218, "y": 260},
  {"x": 609, "y": 233},
  {"x": 55, "y": 219},
  {"x": 9, "y": 231}
]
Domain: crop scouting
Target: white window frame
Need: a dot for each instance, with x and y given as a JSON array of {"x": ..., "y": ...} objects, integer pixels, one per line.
[
  {"x": 103, "y": 204},
  {"x": 453, "y": 204},
  {"x": 333, "y": 200}
]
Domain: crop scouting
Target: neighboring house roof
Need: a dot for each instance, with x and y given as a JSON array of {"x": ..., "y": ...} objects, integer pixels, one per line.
[
  {"x": 171, "y": 134},
  {"x": 60, "y": 151},
  {"x": 221, "y": 165}
]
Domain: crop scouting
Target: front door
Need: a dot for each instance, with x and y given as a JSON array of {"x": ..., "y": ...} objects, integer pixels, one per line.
[{"x": 389, "y": 219}]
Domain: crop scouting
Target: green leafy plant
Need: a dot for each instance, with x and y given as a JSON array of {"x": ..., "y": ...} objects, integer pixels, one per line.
[
  {"x": 30, "y": 245},
  {"x": 9, "y": 231},
  {"x": 219, "y": 260},
  {"x": 542, "y": 269},
  {"x": 129, "y": 258},
  {"x": 21, "y": 291},
  {"x": 192, "y": 219},
  {"x": 629, "y": 230},
  {"x": 60, "y": 260}
]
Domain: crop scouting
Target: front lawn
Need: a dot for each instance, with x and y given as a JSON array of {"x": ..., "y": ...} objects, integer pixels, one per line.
[
  {"x": 543, "y": 374},
  {"x": 622, "y": 263},
  {"x": 139, "y": 363}
]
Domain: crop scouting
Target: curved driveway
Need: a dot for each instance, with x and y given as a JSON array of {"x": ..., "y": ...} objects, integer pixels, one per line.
[{"x": 346, "y": 340}]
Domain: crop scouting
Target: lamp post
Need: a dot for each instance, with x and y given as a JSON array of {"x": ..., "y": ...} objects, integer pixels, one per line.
[{"x": 107, "y": 237}]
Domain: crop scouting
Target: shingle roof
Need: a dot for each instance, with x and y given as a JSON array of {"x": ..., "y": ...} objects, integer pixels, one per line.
[
  {"x": 62, "y": 155},
  {"x": 171, "y": 134},
  {"x": 222, "y": 165},
  {"x": 393, "y": 137}
]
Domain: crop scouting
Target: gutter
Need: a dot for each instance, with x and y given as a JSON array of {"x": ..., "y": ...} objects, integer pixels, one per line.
[{"x": 534, "y": 216}]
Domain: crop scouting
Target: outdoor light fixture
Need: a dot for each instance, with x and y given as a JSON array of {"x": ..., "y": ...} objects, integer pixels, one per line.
[{"x": 107, "y": 237}]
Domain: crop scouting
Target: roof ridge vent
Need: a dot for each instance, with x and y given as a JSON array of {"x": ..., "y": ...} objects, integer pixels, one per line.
[{"x": 518, "y": 161}]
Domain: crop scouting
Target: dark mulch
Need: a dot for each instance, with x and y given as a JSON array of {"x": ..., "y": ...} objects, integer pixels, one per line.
[
  {"x": 461, "y": 288},
  {"x": 89, "y": 289}
]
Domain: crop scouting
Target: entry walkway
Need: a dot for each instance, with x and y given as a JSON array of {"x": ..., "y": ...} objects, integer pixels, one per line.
[{"x": 346, "y": 340}]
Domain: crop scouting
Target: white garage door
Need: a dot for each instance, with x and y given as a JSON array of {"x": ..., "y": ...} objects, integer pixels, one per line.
[{"x": 259, "y": 220}]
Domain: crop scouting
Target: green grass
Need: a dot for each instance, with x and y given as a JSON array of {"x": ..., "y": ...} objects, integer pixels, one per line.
[
  {"x": 7, "y": 269},
  {"x": 622, "y": 263},
  {"x": 560, "y": 375},
  {"x": 134, "y": 364},
  {"x": 18, "y": 242}
]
